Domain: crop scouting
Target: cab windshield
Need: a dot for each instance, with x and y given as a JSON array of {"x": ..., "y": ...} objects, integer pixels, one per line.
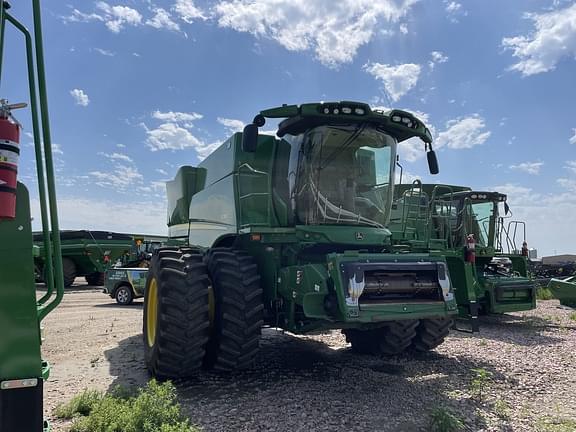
[{"x": 343, "y": 176}]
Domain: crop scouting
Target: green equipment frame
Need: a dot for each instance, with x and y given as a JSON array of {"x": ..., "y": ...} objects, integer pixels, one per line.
[{"x": 22, "y": 370}]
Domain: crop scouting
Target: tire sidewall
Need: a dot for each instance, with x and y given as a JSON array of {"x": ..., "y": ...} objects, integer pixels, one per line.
[
  {"x": 151, "y": 352},
  {"x": 128, "y": 291}
]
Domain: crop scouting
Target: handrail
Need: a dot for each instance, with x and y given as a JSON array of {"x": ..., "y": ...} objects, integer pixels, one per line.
[{"x": 44, "y": 165}]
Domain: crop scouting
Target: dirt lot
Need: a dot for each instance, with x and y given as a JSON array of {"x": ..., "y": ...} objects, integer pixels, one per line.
[{"x": 316, "y": 383}]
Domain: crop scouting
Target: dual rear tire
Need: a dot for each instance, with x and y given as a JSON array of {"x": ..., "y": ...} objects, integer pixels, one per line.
[
  {"x": 201, "y": 311},
  {"x": 399, "y": 336}
]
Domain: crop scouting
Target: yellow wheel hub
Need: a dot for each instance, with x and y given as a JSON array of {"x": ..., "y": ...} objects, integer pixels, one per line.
[{"x": 152, "y": 312}]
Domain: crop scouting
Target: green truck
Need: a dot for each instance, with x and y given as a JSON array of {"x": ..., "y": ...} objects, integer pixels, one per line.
[
  {"x": 125, "y": 284},
  {"x": 86, "y": 253},
  {"x": 461, "y": 223},
  {"x": 291, "y": 231}
]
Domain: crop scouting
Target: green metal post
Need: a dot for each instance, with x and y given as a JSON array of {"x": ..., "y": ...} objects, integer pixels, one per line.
[
  {"x": 49, "y": 276},
  {"x": 2, "y": 31},
  {"x": 59, "y": 278}
]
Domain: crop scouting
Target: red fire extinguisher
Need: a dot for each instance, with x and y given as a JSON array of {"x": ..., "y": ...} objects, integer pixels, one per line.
[
  {"x": 9, "y": 153},
  {"x": 470, "y": 248}
]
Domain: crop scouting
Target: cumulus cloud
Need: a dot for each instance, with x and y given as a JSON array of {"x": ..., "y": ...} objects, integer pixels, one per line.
[
  {"x": 117, "y": 17},
  {"x": 463, "y": 133},
  {"x": 231, "y": 125},
  {"x": 187, "y": 11},
  {"x": 121, "y": 178},
  {"x": 116, "y": 156},
  {"x": 437, "y": 58},
  {"x": 454, "y": 10},
  {"x": 80, "y": 97},
  {"x": 177, "y": 117},
  {"x": 528, "y": 167},
  {"x": 175, "y": 134},
  {"x": 571, "y": 166},
  {"x": 553, "y": 38},
  {"x": 397, "y": 80},
  {"x": 162, "y": 20},
  {"x": 333, "y": 30}
]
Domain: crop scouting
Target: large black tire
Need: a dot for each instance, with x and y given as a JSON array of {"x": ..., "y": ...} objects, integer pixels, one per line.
[
  {"x": 391, "y": 339},
  {"x": 69, "y": 271},
  {"x": 95, "y": 279},
  {"x": 238, "y": 312},
  {"x": 176, "y": 346},
  {"x": 431, "y": 333}
]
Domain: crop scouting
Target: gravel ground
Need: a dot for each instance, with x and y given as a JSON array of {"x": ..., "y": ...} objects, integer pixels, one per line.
[{"x": 316, "y": 383}]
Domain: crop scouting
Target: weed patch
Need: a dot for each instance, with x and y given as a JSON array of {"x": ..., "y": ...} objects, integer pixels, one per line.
[
  {"x": 153, "y": 409},
  {"x": 443, "y": 420}
]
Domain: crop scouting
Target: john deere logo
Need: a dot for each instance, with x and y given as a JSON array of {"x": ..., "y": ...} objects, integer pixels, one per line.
[{"x": 359, "y": 236}]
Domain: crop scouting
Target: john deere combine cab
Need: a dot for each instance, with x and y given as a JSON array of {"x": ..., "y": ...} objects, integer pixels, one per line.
[
  {"x": 468, "y": 227},
  {"x": 292, "y": 232},
  {"x": 22, "y": 370}
]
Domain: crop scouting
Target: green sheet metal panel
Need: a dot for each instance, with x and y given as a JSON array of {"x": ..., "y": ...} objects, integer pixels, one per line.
[{"x": 20, "y": 339}]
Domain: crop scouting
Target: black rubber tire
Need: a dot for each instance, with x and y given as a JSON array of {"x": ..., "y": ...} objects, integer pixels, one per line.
[
  {"x": 391, "y": 339},
  {"x": 69, "y": 271},
  {"x": 430, "y": 333},
  {"x": 124, "y": 295},
  {"x": 95, "y": 279},
  {"x": 182, "y": 321},
  {"x": 238, "y": 312}
]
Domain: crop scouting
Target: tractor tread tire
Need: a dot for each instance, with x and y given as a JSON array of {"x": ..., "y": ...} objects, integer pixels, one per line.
[
  {"x": 239, "y": 311},
  {"x": 95, "y": 279},
  {"x": 182, "y": 328},
  {"x": 68, "y": 271},
  {"x": 431, "y": 333},
  {"x": 391, "y": 339}
]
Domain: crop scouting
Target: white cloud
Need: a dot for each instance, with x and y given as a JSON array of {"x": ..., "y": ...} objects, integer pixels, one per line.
[
  {"x": 187, "y": 10},
  {"x": 397, "y": 80},
  {"x": 104, "y": 52},
  {"x": 333, "y": 29},
  {"x": 57, "y": 149},
  {"x": 120, "y": 146},
  {"x": 573, "y": 139},
  {"x": 121, "y": 178},
  {"x": 161, "y": 171},
  {"x": 571, "y": 166},
  {"x": 117, "y": 156},
  {"x": 81, "y": 213},
  {"x": 567, "y": 183},
  {"x": 528, "y": 167},
  {"x": 162, "y": 20},
  {"x": 114, "y": 17},
  {"x": 80, "y": 97},
  {"x": 117, "y": 17},
  {"x": 437, "y": 58},
  {"x": 231, "y": 125},
  {"x": 454, "y": 10},
  {"x": 177, "y": 117},
  {"x": 554, "y": 38},
  {"x": 464, "y": 132}
]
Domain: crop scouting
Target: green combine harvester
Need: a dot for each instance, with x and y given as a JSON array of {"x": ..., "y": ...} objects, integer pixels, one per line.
[
  {"x": 292, "y": 232},
  {"x": 22, "y": 370},
  {"x": 468, "y": 228}
]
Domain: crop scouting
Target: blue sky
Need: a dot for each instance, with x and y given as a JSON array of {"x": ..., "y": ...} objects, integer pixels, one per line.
[{"x": 138, "y": 88}]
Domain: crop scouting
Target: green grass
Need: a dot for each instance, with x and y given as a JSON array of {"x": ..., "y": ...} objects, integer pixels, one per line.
[
  {"x": 153, "y": 409},
  {"x": 480, "y": 382},
  {"x": 555, "y": 424},
  {"x": 502, "y": 409},
  {"x": 573, "y": 316},
  {"x": 543, "y": 293},
  {"x": 443, "y": 420}
]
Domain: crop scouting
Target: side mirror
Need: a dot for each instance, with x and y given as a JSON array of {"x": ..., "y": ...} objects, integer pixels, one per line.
[
  {"x": 432, "y": 162},
  {"x": 250, "y": 138}
]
